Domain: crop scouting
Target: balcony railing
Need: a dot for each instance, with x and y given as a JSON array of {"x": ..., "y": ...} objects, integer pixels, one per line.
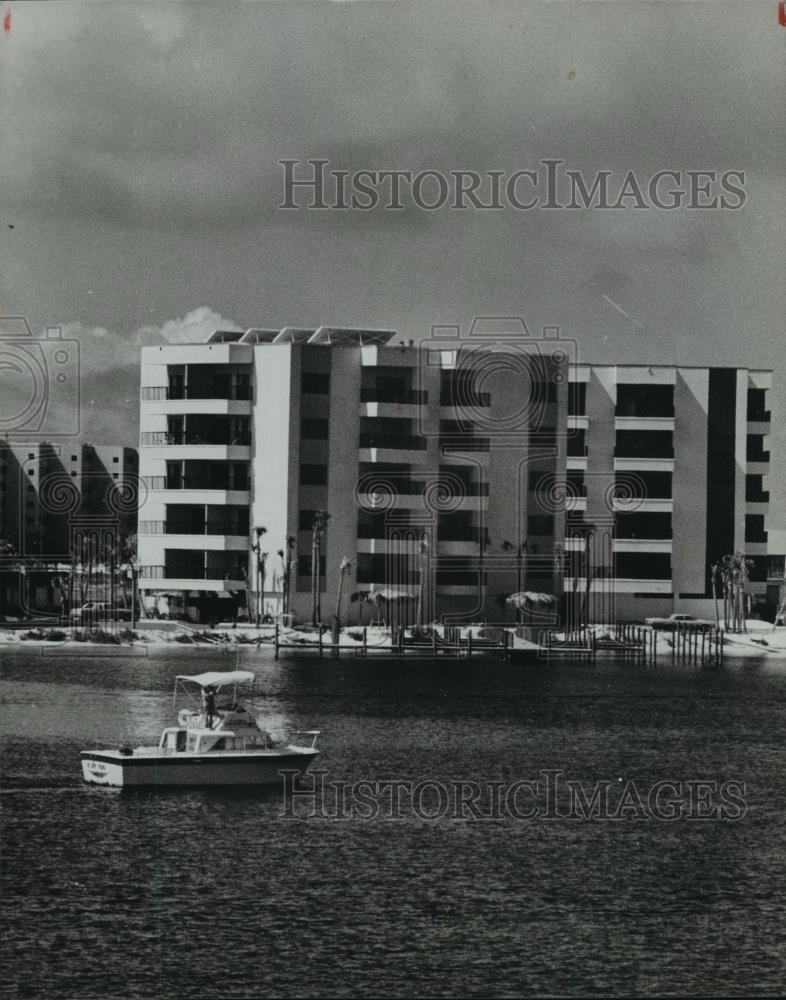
[
  {"x": 657, "y": 454},
  {"x": 757, "y": 456},
  {"x": 645, "y": 413},
  {"x": 187, "y": 572},
  {"x": 457, "y": 397},
  {"x": 159, "y": 392},
  {"x": 756, "y": 537},
  {"x": 759, "y": 416},
  {"x": 763, "y": 497},
  {"x": 159, "y": 439},
  {"x": 398, "y": 442},
  {"x": 409, "y": 396},
  {"x": 466, "y": 442},
  {"x": 188, "y": 528}
]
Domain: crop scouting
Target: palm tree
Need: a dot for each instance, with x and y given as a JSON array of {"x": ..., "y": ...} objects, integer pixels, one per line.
[
  {"x": 256, "y": 548},
  {"x": 714, "y": 572},
  {"x": 343, "y": 570},
  {"x": 423, "y": 569},
  {"x": 285, "y": 555},
  {"x": 559, "y": 576},
  {"x": 128, "y": 556},
  {"x": 321, "y": 518},
  {"x": 362, "y": 597}
]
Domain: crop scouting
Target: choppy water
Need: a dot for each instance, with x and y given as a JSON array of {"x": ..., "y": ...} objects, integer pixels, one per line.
[{"x": 212, "y": 894}]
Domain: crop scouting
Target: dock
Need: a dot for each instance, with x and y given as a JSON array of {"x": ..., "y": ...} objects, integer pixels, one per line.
[{"x": 685, "y": 643}]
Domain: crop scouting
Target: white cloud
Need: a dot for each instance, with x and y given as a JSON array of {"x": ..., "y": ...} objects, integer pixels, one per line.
[{"x": 195, "y": 327}]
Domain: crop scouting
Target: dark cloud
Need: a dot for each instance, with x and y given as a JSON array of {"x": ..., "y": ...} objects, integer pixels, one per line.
[{"x": 140, "y": 168}]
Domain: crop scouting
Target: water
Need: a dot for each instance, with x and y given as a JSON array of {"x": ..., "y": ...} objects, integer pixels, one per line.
[{"x": 201, "y": 893}]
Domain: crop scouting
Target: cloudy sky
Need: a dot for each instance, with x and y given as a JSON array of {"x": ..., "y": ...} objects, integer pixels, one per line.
[{"x": 140, "y": 179}]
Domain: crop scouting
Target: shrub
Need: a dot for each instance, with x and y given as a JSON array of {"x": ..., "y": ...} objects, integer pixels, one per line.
[
  {"x": 127, "y": 635},
  {"x": 55, "y": 635},
  {"x": 184, "y": 638},
  {"x": 100, "y": 635}
]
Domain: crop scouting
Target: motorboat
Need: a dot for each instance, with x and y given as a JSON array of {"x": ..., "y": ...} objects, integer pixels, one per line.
[{"x": 217, "y": 741}]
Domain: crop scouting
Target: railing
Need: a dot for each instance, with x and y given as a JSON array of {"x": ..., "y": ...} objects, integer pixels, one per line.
[
  {"x": 408, "y": 396},
  {"x": 757, "y": 537},
  {"x": 757, "y": 456},
  {"x": 191, "y": 573},
  {"x": 163, "y": 483},
  {"x": 663, "y": 412},
  {"x": 458, "y": 442},
  {"x": 403, "y": 443},
  {"x": 649, "y": 456},
  {"x": 759, "y": 416},
  {"x": 184, "y": 528},
  {"x": 763, "y": 497},
  {"x": 159, "y": 392},
  {"x": 458, "y": 397},
  {"x": 164, "y": 438}
]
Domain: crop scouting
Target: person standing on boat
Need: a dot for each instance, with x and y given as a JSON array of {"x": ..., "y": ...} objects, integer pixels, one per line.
[{"x": 209, "y": 704}]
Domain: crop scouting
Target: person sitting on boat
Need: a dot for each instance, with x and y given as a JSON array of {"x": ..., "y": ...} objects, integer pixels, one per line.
[{"x": 209, "y": 704}]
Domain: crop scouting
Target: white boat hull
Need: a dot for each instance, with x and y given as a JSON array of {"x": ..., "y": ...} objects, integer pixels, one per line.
[{"x": 163, "y": 768}]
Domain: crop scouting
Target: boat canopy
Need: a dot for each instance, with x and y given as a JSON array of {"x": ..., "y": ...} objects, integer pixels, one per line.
[{"x": 215, "y": 679}]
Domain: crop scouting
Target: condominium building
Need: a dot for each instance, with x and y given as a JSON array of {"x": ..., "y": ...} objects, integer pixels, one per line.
[
  {"x": 421, "y": 456},
  {"x": 52, "y": 497},
  {"x": 45, "y": 489},
  {"x": 684, "y": 448},
  {"x": 455, "y": 472}
]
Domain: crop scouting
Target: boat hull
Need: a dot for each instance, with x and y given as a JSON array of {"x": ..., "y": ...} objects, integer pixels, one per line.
[{"x": 113, "y": 769}]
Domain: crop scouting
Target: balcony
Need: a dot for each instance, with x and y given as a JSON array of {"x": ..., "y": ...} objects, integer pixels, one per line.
[
  {"x": 216, "y": 390},
  {"x": 166, "y": 439},
  {"x": 408, "y": 397},
  {"x": 464, "y": 442},
  {"x": 752, "y": 457},
  {"x": 165, "y": 578},
  {"x": 404, "y": 442}
]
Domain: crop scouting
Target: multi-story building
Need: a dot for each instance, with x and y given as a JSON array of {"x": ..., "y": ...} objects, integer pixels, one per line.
[
  {"x": 50, "y": 496},
  {"x": 685, "y": 448},
  {"x": 421, "y": 455},
  {"x": 444, "y": 468}
]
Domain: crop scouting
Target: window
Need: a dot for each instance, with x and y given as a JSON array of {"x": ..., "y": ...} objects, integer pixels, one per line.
[
  {"x": 304, "y": 564},
  {"x": 313, "y": 475},
  {"x": 643, "y": 565},
  {"x": 315, "y": 383},
  {"x": 577, "y": 399},
  {"x": 73, "y": 458},
  {"x": 643, "y": 524},
  {"x": 754, "y": 528},
  {"x": 73, "y": 475},
  {"x": 115, "y": 459},
  {"x": 115, "y": 475},
  {"x": 644, "y": 444},
  {"x": 576, "y": 444},
  {"x": 305, "y": 520},
  {"x": 31, "y": 454},
  {"x": 314, "y": 429},
  {"x": 653, "y": 484},
  {"x": 644, "y": 400},
  {"x": 31, "y": 472},
  {"x": 540, "y": 524}
]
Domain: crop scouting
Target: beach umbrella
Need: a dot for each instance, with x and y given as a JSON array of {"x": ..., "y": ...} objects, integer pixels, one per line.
[{"x": 528, "y": 600}]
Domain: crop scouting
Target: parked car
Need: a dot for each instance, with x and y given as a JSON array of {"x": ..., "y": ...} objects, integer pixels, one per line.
[
  {"x": 670, "y": 623},
  {"x": 99, "y": 611}
]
